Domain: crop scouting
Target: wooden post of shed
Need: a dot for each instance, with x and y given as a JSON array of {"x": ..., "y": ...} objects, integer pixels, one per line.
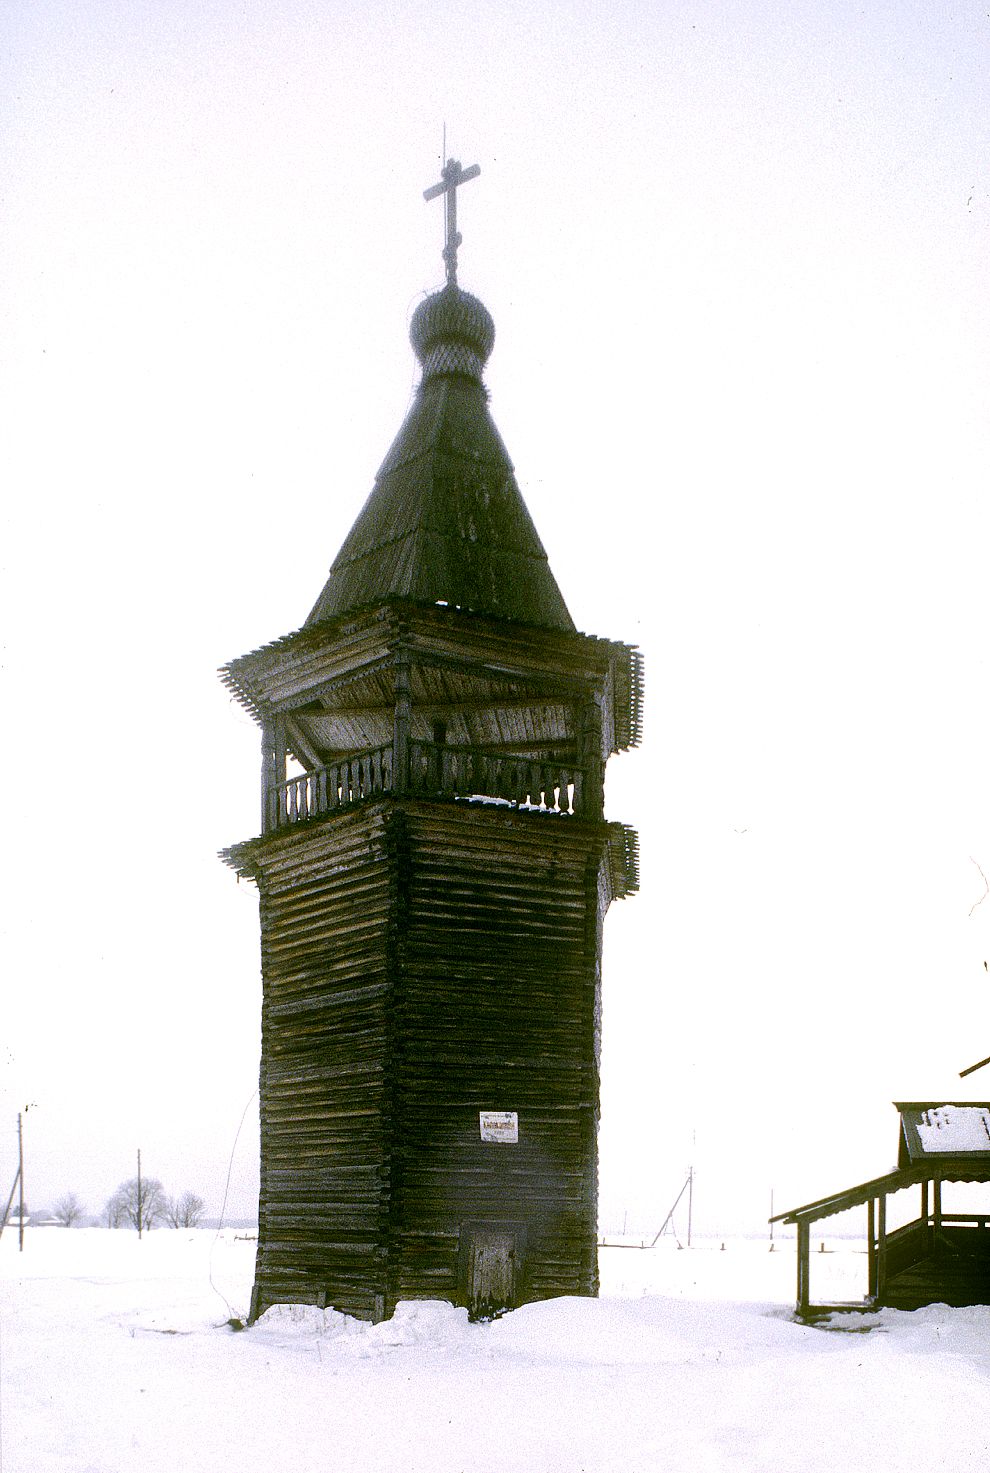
[
  {"x": 871, "y": 1248},
  {"x": 924, "y": 1215},
  {"x": 881, "y": 1268},
  {"x": 803, "y": 1267}
]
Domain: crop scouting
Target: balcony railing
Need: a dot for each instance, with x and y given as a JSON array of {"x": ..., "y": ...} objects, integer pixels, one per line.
[
  {"x": 464, "y": 772},
  {"x": 325, "y": 788},
  {"x": 435, "y": 771}
]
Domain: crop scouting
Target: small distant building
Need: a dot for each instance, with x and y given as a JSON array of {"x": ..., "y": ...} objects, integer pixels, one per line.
[{"x": 941, "y": 1256}]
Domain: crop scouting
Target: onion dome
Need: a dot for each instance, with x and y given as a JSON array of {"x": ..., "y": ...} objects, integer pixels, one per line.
[{"x": 452, "y": 332}]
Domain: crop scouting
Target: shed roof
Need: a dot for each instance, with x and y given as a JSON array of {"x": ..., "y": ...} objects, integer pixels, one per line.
[
  {"x": 937, "y": 1131},
  {"x": 946, "y": 1140},
  {"x": 445, "y": 522}
]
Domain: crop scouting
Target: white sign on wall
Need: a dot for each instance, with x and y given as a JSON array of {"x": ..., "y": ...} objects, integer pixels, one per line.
[{"x": 500, "y": 1125}]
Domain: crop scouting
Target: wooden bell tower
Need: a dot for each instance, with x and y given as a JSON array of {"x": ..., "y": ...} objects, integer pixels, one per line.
[{"x": 434, "y": 867}]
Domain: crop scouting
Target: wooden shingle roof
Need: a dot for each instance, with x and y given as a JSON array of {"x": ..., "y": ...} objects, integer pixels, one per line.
[{"x": 446, "y": 522}]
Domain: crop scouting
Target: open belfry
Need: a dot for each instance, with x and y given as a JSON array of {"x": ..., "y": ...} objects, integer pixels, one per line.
[{"x": 434, "y": 867}]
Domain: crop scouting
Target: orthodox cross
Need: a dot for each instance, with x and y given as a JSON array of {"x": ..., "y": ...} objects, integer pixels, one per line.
[{"x": 450, "y": 177}]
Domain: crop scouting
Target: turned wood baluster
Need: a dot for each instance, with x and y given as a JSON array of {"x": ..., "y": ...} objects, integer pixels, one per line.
[{"x": 546, "y": 786}]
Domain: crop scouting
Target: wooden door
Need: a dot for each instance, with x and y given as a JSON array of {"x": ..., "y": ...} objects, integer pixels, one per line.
[{"x": 492, "y": 1267}]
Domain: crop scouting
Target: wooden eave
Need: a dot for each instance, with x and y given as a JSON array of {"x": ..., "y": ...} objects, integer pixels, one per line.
[
  {"x": 917, "y": 1106},
  {"x": 291, "y": 669},
  {"x": 623, "y": 861},
  {"x": 947, "y": 1168},
  {"x": 621, "y": 852},
  {"x": 851, "y": 1197},
  {"x": 320, "y": 661}
]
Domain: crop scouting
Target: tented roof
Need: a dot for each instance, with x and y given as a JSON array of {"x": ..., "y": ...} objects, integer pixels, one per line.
[{"x": 445, "y": 522}]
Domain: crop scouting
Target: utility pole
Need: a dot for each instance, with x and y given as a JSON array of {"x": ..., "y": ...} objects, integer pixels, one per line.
[
  {"x": 689, "y": 1188},
  {"x": 139, "y": 1205},
  {"x": 20, "y": 1179}
]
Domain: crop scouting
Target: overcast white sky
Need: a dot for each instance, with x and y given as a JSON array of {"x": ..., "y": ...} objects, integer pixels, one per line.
[{"x": 736, "y": 256}]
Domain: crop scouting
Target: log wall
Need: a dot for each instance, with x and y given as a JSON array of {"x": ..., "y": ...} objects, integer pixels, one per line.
[
  {"x": 326, "y": 964},
  {"x": 497, "y": 994},
  {"x": 424, "y": 961}
]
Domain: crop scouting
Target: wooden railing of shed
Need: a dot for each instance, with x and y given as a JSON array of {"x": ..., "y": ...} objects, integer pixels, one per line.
[{"x": 434, "y": 770}]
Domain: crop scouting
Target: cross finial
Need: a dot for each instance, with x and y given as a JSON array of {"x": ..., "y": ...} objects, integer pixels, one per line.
[{"x": 450, "y": 177}]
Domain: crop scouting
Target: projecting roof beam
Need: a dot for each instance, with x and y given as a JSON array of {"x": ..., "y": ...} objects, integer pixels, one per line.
[
  {"x": 555, "y": 700},
  {"x": 300, "y": 744},
  {"x": 538, "y": 746},
  {"x": 518, "y": 671}
]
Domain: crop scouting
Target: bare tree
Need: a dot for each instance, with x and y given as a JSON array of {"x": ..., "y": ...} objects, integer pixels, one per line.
[
  {"x": 68, "y": 1210},
  {"x": 136, "y": 1204},
  {"x": 185, "y": 1211},
  {"x": 113, "y": 1212}
]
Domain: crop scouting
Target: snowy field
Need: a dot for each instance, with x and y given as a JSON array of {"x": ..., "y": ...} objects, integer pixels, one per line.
[{"x": 116, "y": 1357}]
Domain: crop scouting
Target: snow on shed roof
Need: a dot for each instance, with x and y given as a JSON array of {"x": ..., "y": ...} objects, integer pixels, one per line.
[{"x": 944, "y": 1129}]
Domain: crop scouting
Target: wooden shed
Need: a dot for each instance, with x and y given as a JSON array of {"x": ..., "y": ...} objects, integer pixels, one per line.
[
  {"x": 939, "y": 1256},
  {"x": 434, "y": 868}
]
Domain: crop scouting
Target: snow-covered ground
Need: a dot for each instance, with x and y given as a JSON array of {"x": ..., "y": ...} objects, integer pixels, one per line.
[{"x": 116, "y": 1357}]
